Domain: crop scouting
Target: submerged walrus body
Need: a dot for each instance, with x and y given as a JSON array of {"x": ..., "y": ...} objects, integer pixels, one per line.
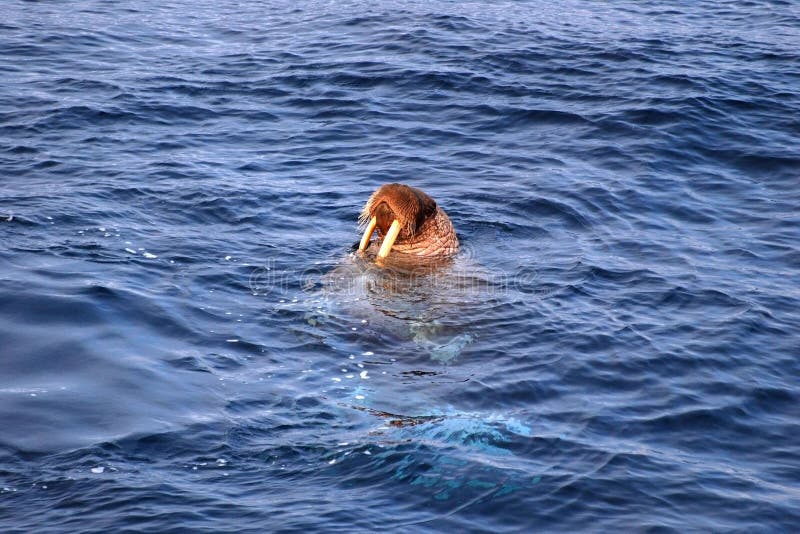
[
  {"x": 409, "y": 223},
  {"x": 410, "y": 298}
]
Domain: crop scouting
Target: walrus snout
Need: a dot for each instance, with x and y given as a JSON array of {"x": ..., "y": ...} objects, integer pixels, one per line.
[
  {"x": 385, "y": 217},
  {"x": 408, "y": 222}
]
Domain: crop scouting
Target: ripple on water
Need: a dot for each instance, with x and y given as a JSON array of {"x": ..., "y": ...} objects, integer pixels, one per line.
[{"x": 186, "y": 339}]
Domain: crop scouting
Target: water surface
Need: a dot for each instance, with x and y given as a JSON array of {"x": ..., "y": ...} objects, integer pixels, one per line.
[{"x": 186, "y": 341}]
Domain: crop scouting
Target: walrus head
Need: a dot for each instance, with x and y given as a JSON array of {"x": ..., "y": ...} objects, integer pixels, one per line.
[{"x": 409, "y": 221}]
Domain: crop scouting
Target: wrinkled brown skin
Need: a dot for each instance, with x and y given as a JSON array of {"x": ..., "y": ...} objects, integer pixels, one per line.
[{"x": 426, "y": 229}]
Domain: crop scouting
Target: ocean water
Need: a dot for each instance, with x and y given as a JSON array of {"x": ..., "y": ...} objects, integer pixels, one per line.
[{"x": 187, "y": 342}]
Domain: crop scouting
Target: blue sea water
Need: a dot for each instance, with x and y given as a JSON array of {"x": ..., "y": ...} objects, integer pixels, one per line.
[{"x": 187, "y": 342}]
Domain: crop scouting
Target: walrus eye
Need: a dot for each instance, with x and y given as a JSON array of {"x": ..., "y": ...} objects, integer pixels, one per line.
[
  {"x": 367, "y": 234},
  {"x": 389, "y": 240}
]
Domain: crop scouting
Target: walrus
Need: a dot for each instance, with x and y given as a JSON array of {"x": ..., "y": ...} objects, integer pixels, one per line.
[{"x": 409, "y": 222}]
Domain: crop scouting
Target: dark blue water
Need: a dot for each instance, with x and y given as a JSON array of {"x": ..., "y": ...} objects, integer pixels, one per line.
[{"x": 187, "y": 342}]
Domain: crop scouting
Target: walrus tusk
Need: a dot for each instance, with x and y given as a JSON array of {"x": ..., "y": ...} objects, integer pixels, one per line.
[
  {"x": 389, "y": 240},
  {"x": 367, "y": 234}
]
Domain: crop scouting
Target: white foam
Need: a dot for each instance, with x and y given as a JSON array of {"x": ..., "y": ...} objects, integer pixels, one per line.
[
  {"x": 363, "y": 375},
  {"x": 149, "y": 256},
  {"x": 130, "y": 250},
  {"x": 98, "y": 470}
]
